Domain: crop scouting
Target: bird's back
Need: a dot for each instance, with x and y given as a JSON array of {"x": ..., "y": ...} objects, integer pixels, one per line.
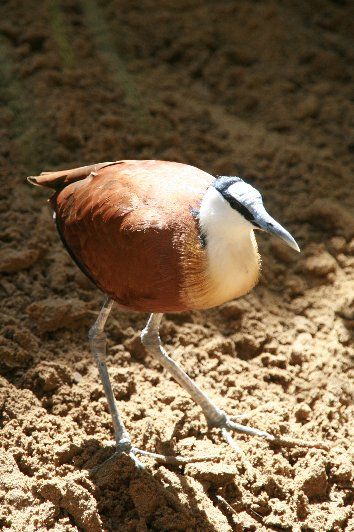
[{"x": 129, "y": 226}]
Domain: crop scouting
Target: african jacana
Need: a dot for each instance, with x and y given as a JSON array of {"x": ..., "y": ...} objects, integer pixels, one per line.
[{"x": 157, "y": 237}]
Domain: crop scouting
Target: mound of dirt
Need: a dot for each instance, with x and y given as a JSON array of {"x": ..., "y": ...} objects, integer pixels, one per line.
[{"x": 258, "y": 89}]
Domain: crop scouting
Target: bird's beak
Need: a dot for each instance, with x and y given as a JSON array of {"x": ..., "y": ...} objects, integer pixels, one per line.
[{"x": 265, "y": 222}]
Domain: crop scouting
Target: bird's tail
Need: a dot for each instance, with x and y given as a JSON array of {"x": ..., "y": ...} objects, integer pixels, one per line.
[{"x": 62, "y": 178}]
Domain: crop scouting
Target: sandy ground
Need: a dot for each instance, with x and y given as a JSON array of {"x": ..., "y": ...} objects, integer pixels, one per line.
[{"x": 259, "y": 89}]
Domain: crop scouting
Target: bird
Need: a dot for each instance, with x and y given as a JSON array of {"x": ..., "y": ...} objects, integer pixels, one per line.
[{"x": 160, "y": 236}]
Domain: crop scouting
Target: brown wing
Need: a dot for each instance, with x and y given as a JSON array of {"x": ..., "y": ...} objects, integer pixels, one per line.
[
  {"x": 62, "y": 178},
  {"x": 127, "y": 225}
]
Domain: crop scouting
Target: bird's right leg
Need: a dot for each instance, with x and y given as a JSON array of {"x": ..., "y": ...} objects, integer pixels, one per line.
[
  {"x": 98, "y": 340},
  {"x": 214, "y": 415}
]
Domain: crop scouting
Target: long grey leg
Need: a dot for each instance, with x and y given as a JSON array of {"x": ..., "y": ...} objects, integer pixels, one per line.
[
  {"x": 97, "y": 338},
  {"x": 151, "y": 340},
  {"x": 214, "y": 416}
]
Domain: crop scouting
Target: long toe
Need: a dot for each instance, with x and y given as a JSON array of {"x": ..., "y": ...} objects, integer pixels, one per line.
[
  {"x": 227, "y": 425},
  {"x": 116, "y": 456}
]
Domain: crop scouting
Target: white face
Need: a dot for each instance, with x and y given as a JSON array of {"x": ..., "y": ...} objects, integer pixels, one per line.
[
  {"x": 217, "y": 216},
  {"x": 231, "y": 204}
]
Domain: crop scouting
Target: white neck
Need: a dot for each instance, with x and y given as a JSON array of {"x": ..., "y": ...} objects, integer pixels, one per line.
[{"x": 231, "y": 247}]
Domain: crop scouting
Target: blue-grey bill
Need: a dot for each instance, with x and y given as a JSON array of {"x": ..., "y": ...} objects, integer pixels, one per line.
[{"x": 267, "y": 223}]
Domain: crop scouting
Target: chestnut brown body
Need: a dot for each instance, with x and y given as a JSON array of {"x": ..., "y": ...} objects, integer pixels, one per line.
[{"x": 130, "y": 227}]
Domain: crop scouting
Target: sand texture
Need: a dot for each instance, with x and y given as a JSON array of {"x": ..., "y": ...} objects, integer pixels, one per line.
[{"x": 258, "y": 89}]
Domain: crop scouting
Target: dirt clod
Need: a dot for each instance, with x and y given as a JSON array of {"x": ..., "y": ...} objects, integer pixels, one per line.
[
  {"x": 312, "y": 478},
  {"x": 12, "y": 260},
  {"x": 321, "y": 264},
  {"x": 54, "y": 313},
  {"x": 218, "y": 474}
]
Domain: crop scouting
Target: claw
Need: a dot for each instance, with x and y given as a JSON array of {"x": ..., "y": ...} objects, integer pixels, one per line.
[
  {"x": 136, "y": 460},
  {"x": 248, "y": 466}
]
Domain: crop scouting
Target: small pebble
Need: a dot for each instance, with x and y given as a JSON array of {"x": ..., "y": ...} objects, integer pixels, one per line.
[
  {"x": 320, "y": 265},
  {"x": 302, "y": 412}
]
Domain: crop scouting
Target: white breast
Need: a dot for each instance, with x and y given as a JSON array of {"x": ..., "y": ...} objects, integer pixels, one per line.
[{"x": 233, "y": 259}]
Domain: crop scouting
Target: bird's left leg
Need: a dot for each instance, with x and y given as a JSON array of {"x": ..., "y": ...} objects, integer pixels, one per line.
[
  {"x": 98, "y": 340},
  {"x": 215, "y": 416}
]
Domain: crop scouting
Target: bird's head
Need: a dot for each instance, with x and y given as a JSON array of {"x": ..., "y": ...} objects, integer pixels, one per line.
[{"x": 232, "y": 201}]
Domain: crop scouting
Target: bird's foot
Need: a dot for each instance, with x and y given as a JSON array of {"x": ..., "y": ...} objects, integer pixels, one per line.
[
  {"x": 126, "y": 447},
  {"x": 227, "y": 425}
]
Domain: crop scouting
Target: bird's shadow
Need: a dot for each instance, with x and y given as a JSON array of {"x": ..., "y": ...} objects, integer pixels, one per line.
[{"x": 156, "y": 497}]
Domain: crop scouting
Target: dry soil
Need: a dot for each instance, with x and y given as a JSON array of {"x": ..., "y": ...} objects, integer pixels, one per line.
[{"x": 254, "y": 88}]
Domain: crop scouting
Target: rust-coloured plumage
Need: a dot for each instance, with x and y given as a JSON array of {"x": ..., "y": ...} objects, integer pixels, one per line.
[{"x": 129, "y": 225}]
